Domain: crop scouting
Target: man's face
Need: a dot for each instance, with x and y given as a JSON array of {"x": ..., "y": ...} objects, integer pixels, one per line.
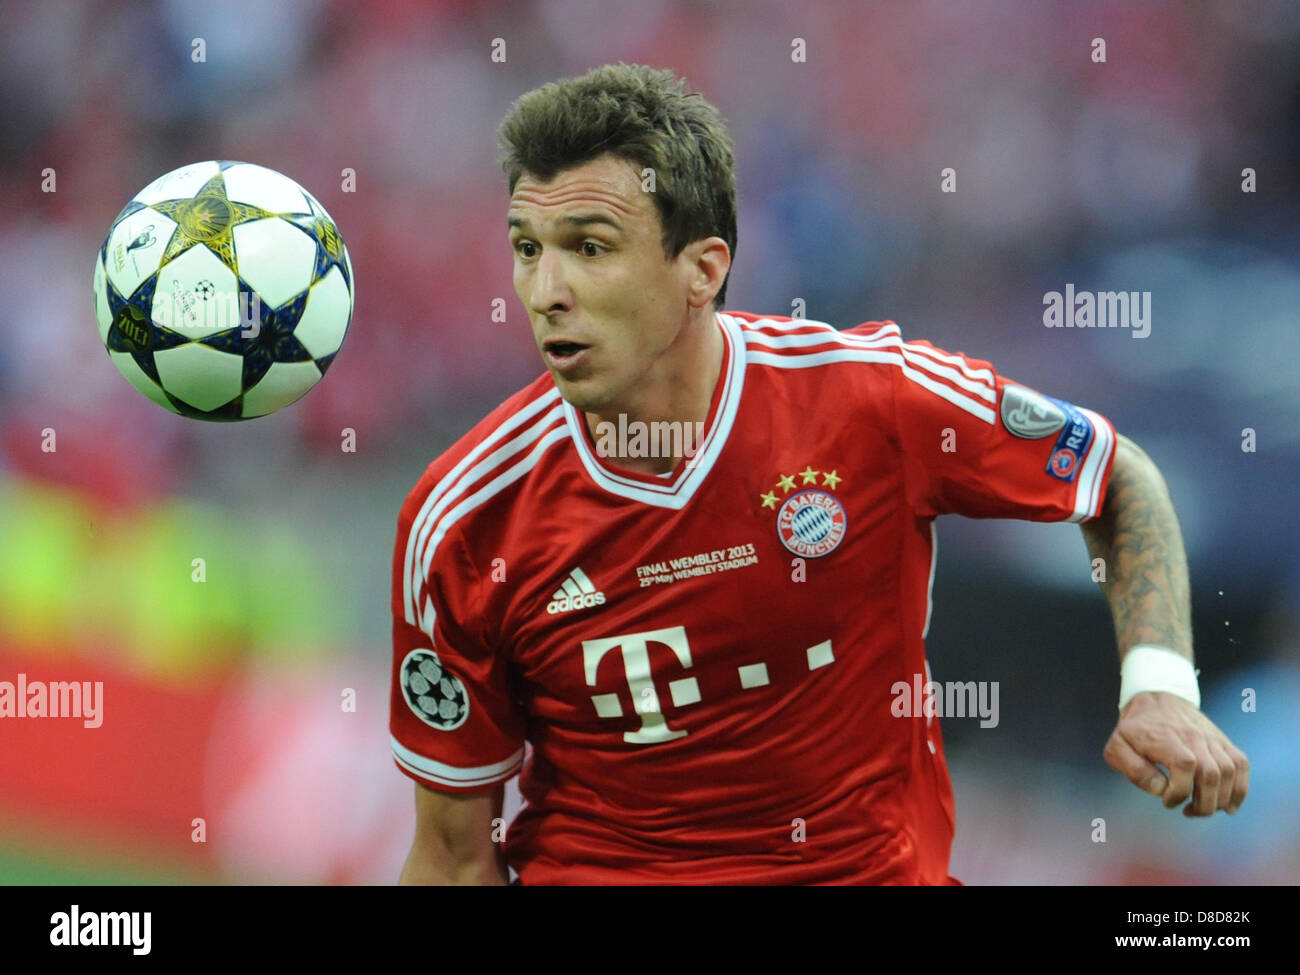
[{"x": 604, "y": 301}]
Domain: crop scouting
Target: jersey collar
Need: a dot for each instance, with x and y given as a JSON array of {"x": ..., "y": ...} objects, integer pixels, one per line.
[{"x": 674, "y": 492}]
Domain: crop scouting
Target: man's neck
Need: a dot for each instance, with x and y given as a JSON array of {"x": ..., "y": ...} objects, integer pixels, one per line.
[{"x": 680, "y": 394}]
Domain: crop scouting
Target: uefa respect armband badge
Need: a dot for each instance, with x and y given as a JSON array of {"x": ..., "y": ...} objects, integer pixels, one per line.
[
  {"x": 1072, "y": 444},
  {"x": 1030, "y": 415}
]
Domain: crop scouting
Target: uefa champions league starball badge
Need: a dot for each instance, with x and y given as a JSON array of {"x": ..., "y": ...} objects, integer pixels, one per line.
[
  {"x": 810, "y": 521},
  {"x": 433, "y": 693}
]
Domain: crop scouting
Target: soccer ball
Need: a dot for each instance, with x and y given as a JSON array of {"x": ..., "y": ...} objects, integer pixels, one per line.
[{"x": 223, "y": 291}]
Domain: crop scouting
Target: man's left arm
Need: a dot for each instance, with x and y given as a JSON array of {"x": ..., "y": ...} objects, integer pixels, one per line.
[{"x": 1145, "y": 582}]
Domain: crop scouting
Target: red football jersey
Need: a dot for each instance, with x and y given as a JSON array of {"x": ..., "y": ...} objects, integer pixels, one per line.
[{"x": 704, "y": 664}]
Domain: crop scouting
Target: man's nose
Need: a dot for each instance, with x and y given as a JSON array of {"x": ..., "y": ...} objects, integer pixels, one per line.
[{"x": 550, "y": 287}]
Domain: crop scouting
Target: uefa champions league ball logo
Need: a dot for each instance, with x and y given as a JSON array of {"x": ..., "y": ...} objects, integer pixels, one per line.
[
  {"x": 435, "y": 695},
  {"x": 811, "y": 523}
]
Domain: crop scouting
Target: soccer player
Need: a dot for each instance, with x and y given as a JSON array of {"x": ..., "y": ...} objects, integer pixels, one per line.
[{"x": 676, "y": 582}]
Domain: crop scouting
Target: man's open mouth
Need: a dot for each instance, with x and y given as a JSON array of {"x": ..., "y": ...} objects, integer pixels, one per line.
[
  {"x": 565, "y": 356},
  {"x": 563, "y": 350}
]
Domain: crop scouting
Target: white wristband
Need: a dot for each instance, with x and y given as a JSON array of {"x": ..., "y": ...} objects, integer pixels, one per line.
[{"x": 1151, "y": 668}]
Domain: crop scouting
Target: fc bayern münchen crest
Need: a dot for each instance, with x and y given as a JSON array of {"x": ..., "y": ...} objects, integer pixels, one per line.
[
  {"x": 811, "y": 523},
  {"x": 432, "y": 692}
]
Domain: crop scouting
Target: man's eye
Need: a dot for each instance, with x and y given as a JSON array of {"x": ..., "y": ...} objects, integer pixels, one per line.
[
  {"x": 590, "y": 248},
  {"x": 525, "y": 248}
]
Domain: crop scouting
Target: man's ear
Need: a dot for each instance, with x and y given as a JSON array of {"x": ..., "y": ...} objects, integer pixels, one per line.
[{"x": 709, "y": 260}]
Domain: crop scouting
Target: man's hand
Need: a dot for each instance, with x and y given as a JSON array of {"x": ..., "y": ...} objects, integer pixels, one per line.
[{"x": 1202, "y": 763}]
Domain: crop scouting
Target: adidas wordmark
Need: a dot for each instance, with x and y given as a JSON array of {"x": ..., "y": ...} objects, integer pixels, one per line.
[{"x": 577, "y": 592}]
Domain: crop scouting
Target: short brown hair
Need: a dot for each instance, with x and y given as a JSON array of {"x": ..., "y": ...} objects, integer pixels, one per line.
[{"x": 647, "y": 116}]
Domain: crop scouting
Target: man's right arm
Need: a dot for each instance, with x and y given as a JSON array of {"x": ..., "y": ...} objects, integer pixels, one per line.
[{"x": 453, "y": 839}]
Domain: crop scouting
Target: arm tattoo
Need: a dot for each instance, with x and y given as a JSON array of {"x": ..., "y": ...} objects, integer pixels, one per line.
[{"x": 1137, "y": 535}]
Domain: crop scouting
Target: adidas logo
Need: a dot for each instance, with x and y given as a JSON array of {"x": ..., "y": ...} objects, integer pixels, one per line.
[{"x": 576, "y": 593}]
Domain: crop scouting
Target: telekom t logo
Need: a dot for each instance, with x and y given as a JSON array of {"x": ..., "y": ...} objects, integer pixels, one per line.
[{"x": 636, "y": 665}]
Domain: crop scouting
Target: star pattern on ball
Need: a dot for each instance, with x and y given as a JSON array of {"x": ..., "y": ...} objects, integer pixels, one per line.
[
  {"x": 134, "y": 332},
  {"x": 208, "y": 218},
  {"x": 267, "y": 338},
  {"x": 329, "y": 243}
]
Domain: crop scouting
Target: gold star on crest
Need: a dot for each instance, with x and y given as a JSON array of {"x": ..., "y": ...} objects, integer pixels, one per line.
[
  {"x": 809, "y": 475},
  {"x": 830, "y": 480},
  {"x": 787, "y": 483},
  {"x": 769, "y": 500}
]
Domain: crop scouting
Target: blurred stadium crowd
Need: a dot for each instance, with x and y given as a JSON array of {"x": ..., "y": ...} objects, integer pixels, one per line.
[{"x": 1122, "y": 175}]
